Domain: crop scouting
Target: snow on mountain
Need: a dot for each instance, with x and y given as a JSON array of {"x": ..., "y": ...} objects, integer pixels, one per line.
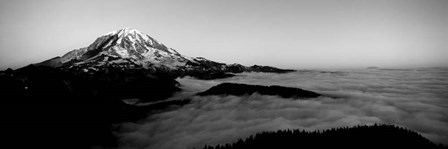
[
  {"x": 124, "y": 45},
  {"x": 129, "y": 49},
  {"x": 134, "y": 45}
]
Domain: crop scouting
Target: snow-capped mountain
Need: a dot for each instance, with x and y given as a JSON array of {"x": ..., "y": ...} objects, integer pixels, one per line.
[
  {"x": 125, "y": 44},
  {"x": 130, "y": 49}
]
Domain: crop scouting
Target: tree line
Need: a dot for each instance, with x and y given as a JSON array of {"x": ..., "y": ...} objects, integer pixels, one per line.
[{"x": 372, "y": 136}]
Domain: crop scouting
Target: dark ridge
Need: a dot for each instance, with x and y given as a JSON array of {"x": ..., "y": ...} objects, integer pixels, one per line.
[
  {"x": 375, "y": 136},
  {"x": 340, "y": 73},
  {"x": 245, "y": 89},
  {"x": 207, "y": 74},
  {"x": 236, "y": 68},
  {"x": 257, "y": 68},
  {"x": 44, "y": 107},
  {"x": 393, "y": 69},
  {"x": 163, "y": 106},
  {"x": 53, "y": 62}
]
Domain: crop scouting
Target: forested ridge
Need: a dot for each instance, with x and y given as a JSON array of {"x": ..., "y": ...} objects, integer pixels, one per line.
[{"x": 373, "y": 136}]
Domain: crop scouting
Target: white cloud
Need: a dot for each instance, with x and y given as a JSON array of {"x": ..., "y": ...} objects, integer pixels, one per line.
[{"x": 414, "y": 99}]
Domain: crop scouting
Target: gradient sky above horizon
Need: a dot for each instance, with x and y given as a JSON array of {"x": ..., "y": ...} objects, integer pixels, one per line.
[{"x": 283, "y": 33}]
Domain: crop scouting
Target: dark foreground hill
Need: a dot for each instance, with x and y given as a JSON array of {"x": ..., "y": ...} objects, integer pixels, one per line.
[
  {"x": 44, "y": 107},
  {"x": 245, "y": 89},
  {"x": 376, "y": 136}
]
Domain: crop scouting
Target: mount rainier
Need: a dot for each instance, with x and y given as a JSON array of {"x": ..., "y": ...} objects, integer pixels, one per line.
[{"x": 131, "y": 49}]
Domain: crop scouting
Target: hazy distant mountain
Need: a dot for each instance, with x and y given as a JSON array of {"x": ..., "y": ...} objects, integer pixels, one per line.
[{"x": 131, "y": 49}]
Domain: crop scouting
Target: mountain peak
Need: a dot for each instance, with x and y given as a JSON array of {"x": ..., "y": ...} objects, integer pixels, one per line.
[
  {"x": 124, "y": 29},
  {"x": 131, "y": 34},
  {"x": 123, "y": 45},
  {"x": 127, "y": 31}
]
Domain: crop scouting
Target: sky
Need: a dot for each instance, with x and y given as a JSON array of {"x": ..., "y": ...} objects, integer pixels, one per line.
[{"x": 283, "y": 33}]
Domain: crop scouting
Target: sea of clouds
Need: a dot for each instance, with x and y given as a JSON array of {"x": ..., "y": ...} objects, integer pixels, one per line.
[{"x": 413, "y": 98}]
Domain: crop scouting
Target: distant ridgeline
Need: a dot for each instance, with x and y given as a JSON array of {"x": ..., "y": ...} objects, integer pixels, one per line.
[
  {"x": 375, "y": 136},
  {"x": 237, "y": 89}
]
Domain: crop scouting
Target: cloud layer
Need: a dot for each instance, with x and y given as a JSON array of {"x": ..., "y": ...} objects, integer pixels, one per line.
[{"x": 416, "y": 99}]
